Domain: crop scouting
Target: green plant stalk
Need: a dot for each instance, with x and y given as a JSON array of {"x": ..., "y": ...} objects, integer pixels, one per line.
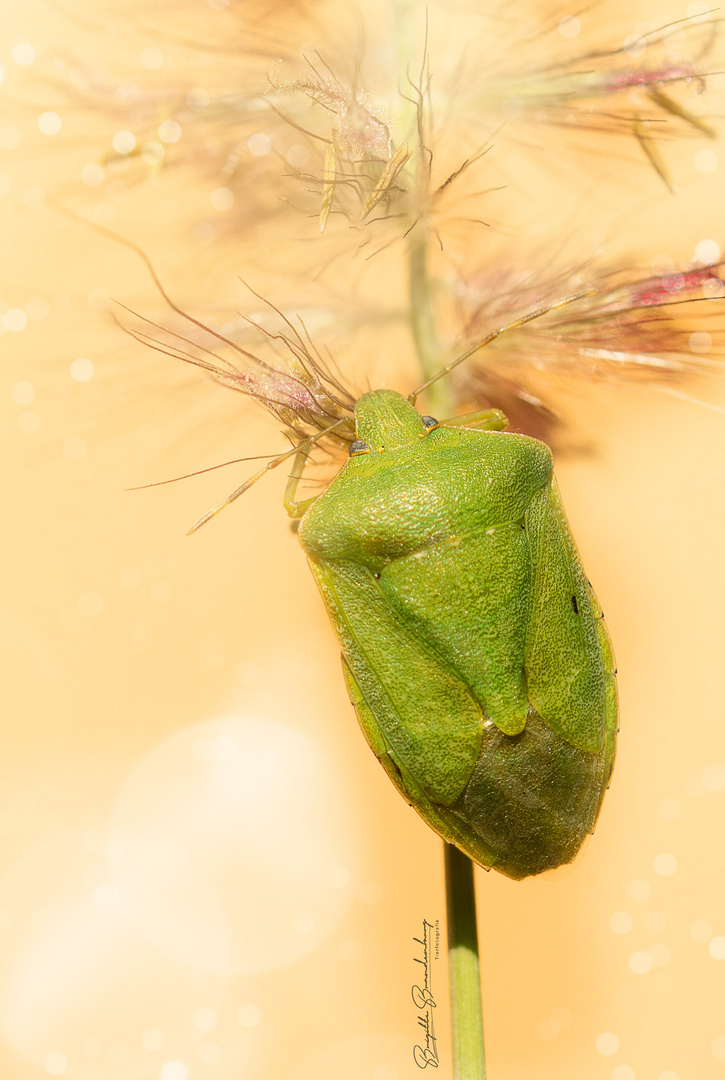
[
  {"x": 423, "y": 324},
  {"x": 469, "y": 1060}
]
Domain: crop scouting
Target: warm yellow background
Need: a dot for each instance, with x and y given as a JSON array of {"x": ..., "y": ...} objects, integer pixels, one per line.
[{"x": 188, "y": 893}]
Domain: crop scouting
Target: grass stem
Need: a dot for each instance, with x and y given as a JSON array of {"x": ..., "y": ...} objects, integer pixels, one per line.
[{"x": 469, "y": 1060}]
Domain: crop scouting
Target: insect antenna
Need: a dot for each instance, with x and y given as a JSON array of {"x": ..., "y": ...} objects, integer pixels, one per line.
[
  {"x": 412, "y": 397},
  {"x": 200, "y": 472},
  {"x": 301, "y": 447}
]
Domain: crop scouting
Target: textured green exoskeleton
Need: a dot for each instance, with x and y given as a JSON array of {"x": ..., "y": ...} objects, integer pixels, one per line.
[{"x": 474, "y": 650}]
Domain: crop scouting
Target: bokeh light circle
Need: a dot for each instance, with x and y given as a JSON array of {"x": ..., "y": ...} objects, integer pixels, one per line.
[{"x": 229, "y": 837}]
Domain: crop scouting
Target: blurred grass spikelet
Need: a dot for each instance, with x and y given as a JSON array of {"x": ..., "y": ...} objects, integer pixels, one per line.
[{"x": 365, "y": 125}]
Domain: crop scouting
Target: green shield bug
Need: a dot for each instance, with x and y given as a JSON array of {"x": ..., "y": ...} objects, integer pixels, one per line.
[
  {"x": 475, "y": 653},
  {"x": 473, "y": 647}
]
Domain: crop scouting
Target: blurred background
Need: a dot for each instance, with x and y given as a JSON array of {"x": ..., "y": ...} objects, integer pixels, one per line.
[{"x": 204, "y": 872}]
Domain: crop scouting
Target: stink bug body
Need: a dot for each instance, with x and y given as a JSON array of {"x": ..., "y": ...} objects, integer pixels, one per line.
[
  {"x": 473, "y": 647},
  {"x": 474, "y": 650}
]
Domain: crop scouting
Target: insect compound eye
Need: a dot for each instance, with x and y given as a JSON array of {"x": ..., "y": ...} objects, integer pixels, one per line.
[
  {"x": 358, "y": 447},
  {"x": 429, "y": 423}
]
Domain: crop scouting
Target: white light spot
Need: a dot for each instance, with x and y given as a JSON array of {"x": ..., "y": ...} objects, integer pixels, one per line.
[
  {"x": 29, "y": 423},
  {"x": 170, "y": 131},
  {"x": 15, "y": 320},
  {"x": 98, "y": 300},
  {"x": 639, "y": 889},
  {"x": 37, "y": 308},
  {"x": 152, "y": 1039},
  {"x": 259, "y": 144},
  {"x": 607, "y": 1043},
  {"x": 634, "y": 45},
  {"x": 49, "y": 123},
  {"x": 698, "y": 7},
  {"x": 205, "y": 1018},
  {"x": 34, "y": 198},
  {"x": 717, "y": 1048},
  {"x": 669, "y": 1074},
  {"x": 701, "y": 342},
  {"x": 640, "y": 963},
  {"x": 5, "y": 184},
  {"x": 222, "y": 198},
  {"x": 660, "y": 954},
  {"x": 298, "y": 156},
  {"x": 706, "y": 161},
  {"x": 663, "y": 264},
  {"x": 713, "y": 777},
  {"x": 338, "y": 876},
  {"x": 93, "y": 175},
  {"x": 548, "y": 1029},
  {"x": 130, "y": 578},
  {"x": 218, "y": 5},
  {"x": 81, "y": 369},
  {"x": 152, "y": 58},
  {"x": 351, "y": 949},
  {"x": 623, "y": 1072},
  {"x": 620, "y": 922},
  {"x": 55, "y": 1063},
  {"x": 655, "y": 922},
  {"x": 303, "y": 923},
  {"x": 174, "y": 1070},
  {"x": 669, "y": 808},
  {"x": 10, "y": 138},
  {"x": 74, "y": 448},
  {"x": 204, "y": 232},
  {"x": 248, "y": 1015},
  {"x": 209, "y": 1052},
  {"x": 370, "y": 893},
  {"x": 90, "y": 604},
  {"x": 152, "y": 153},
  {"x": 23, "y": 393},
  {"x": 707, "y": 251},
  {"x": 23, "y": 53},
  {"x": 701, "y": 930},
  {"x": 665, "y": 864},
  {"x": 569, "y": 27},
  {"x": 124, "y": 142},
  {"x": 716, "y": 948}
]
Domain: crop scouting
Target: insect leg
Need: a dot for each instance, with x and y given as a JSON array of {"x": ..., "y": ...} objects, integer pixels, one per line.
[
  {"x": 486, "y": 419},
  {"x": 297, "y": 509}
]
